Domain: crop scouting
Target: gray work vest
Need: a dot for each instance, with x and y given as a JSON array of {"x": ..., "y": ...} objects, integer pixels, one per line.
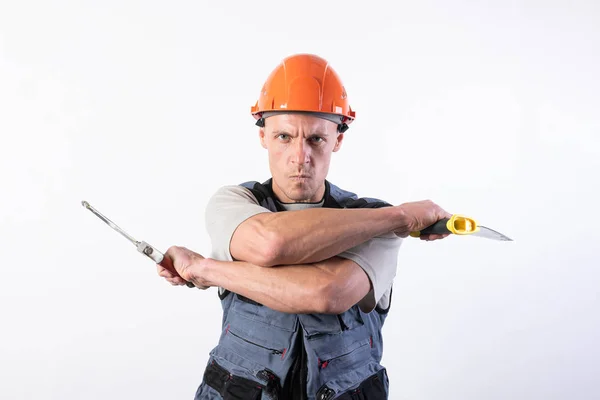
[{"x": 267, "y": 354}]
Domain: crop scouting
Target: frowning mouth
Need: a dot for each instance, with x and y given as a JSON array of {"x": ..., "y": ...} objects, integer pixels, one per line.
[{"x": 300, "y": 176}]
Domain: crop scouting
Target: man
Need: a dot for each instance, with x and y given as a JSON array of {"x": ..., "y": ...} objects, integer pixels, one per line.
[{"x": 304, "y": 268}]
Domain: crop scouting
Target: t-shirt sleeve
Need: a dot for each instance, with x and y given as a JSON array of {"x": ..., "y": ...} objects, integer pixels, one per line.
[
  {"x": 228, "y": 207},
  {"x": 378, "y": 257}
]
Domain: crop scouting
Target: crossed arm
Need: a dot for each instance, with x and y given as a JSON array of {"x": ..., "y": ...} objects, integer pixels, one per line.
[
  {"x": 329, "y": 287},
  {"x": 289, "y": 260},
  {"x": 310, "y": 235}
]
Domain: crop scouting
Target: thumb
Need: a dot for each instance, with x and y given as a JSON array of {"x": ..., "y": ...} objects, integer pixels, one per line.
[
  {"x": 168, "y": 264},
  {"x": 443, "y": 213}
]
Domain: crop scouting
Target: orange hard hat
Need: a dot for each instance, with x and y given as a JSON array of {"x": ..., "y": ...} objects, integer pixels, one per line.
[{"x": 304, "y": 83}]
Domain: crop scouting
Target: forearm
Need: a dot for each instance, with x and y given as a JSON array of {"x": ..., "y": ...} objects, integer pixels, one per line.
[
  {"x": 328, "y": 287},
  {"x": 311, "y": 235}
]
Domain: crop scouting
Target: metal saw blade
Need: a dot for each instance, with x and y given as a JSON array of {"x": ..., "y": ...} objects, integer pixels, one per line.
[{"x": 491, "y": 234}]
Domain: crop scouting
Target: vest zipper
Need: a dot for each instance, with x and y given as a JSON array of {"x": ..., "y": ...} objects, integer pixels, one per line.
[
  {"x": 274, "y": 351},
  {"x": 296, "y": 379},
  {"x": 324, "y": 363}
]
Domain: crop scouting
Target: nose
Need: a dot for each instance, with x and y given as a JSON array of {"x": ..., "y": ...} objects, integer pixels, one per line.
[{"x": 301, "y": 153}]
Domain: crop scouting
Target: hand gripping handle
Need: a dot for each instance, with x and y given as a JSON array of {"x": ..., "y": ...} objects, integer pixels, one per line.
[
  {"x": 158, "y": 258},
  {"x": 457, "y": 224}
]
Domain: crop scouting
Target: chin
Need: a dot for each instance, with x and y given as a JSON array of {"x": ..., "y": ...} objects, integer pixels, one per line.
[
  {"x": 297, "y": 190},
  {"x": 300, "y": 193}
]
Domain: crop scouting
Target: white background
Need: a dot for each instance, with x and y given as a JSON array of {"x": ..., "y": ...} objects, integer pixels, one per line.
[{"x": 142, "y": 109}]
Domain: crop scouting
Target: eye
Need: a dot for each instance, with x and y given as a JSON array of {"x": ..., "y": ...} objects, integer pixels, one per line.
[
  {"x": 283, "y": 136},
  {"x": 316, "y": 139}
]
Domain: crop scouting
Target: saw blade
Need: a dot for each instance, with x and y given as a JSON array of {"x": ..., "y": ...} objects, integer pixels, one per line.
[
  {"x": 488, "y": 233},
  {"x": 110, "y": 223}
]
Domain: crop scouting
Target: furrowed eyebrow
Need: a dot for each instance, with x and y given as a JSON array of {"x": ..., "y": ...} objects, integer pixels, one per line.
[{"x": 312, "y": 135}]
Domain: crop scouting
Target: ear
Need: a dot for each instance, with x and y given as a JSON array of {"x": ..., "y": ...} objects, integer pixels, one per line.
[
  {"x": 338, "y": 142},
  {"x": 261, "y": 134}
]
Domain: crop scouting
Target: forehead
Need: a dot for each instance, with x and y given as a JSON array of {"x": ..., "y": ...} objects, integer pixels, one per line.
[{"x": 299, "y": 122}]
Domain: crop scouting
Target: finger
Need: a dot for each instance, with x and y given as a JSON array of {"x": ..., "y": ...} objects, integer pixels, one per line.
[
  {"x": 443, "y": 213},
  {"x": 163, "y": 271},
  {"x": 433, "y": 236},
  {"x": 436, "y": 236},
  {"x": 176, "y": 281},
  {"x": 167, "y": 275},
  {"x": 167, "y": 262}
]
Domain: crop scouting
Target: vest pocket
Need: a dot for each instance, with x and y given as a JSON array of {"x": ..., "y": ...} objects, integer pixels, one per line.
[
  {"x": 273, "y": 351},
  {"x": 348, "y": 357},
  {"x": 229, "y": 386},
  {"x": 316, "y": 325},
  {"x": 348, "y": 354},
  {"x": 255, "y": 313}
]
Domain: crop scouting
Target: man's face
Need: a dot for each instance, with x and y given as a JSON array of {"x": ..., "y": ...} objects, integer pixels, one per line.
[{"x": 299, "y": 147}]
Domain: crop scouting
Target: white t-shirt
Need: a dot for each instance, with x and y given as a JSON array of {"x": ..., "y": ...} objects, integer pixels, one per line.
[{"x": 378, "y": 257}]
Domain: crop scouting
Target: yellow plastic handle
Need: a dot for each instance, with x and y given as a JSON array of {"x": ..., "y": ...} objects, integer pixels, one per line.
[{"x": 457, "y": 224}]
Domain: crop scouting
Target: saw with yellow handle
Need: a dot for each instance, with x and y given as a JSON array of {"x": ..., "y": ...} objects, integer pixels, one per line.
[{"x": 461, "y": 225}]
